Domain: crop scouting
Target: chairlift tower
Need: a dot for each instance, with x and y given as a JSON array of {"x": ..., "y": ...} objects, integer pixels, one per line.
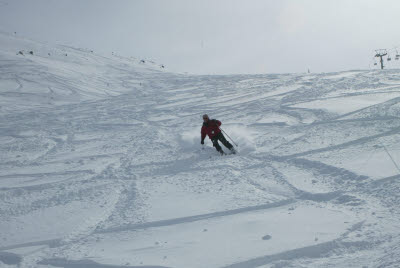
[{"x": 380, "y": 53}]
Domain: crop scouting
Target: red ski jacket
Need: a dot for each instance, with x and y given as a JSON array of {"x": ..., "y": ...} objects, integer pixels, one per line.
[{"x": 210, "y": 128}]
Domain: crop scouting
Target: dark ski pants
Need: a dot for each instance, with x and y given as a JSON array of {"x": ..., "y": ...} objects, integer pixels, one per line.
[{"x": 220, "y": 137}]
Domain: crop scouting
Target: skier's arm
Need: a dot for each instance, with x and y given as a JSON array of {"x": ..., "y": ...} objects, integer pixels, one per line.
[
  {"x": 215, "y": 122},
  {"x": 203, "y": 135}
]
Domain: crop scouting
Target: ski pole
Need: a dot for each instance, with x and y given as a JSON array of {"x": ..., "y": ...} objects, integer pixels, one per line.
[
  {"x": 229, "y": 137},
  {"x": 384, "y": 147}
]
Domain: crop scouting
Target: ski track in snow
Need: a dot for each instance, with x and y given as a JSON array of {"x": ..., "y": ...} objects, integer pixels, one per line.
[{"x": 101, "y": 165}]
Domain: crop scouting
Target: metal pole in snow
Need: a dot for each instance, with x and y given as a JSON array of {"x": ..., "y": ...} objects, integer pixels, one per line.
[{"x": 391, "y": 158}]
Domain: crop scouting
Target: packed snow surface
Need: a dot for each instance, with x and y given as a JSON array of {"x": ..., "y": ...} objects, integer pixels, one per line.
[{"x": 102, "y": 166}]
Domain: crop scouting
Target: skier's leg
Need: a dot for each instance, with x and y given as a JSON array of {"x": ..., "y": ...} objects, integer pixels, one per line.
[
  {"x": 216, "y": 145},
  {"x": 227, "y": 144}
]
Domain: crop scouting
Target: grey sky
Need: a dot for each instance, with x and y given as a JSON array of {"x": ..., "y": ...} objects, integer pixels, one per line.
[{"x": 217, "y": 36}]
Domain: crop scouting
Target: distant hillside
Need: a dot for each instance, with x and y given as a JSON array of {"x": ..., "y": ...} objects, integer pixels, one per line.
[{"x": 42, "y": 74}]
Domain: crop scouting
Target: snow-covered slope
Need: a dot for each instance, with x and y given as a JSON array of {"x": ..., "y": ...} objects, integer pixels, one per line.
[
  {"x": 101, "y": 165},
  {"x": 36, "y": 75}
]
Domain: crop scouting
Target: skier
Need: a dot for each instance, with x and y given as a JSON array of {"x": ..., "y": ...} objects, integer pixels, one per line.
[{"x": 211, "y": 128}]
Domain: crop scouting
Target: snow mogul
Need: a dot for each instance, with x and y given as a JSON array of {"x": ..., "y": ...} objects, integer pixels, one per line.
[{"x": 211, "y": 128}]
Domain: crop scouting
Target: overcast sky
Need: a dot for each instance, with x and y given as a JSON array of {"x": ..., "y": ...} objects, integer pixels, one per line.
[{"x": 217, "y": 36}]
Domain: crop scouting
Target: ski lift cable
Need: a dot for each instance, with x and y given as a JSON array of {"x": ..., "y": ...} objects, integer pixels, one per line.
[{"x": 390, "y": 55}]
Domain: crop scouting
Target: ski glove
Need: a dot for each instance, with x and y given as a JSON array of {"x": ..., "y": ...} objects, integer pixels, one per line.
[{"x": 202, "y": 142}]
